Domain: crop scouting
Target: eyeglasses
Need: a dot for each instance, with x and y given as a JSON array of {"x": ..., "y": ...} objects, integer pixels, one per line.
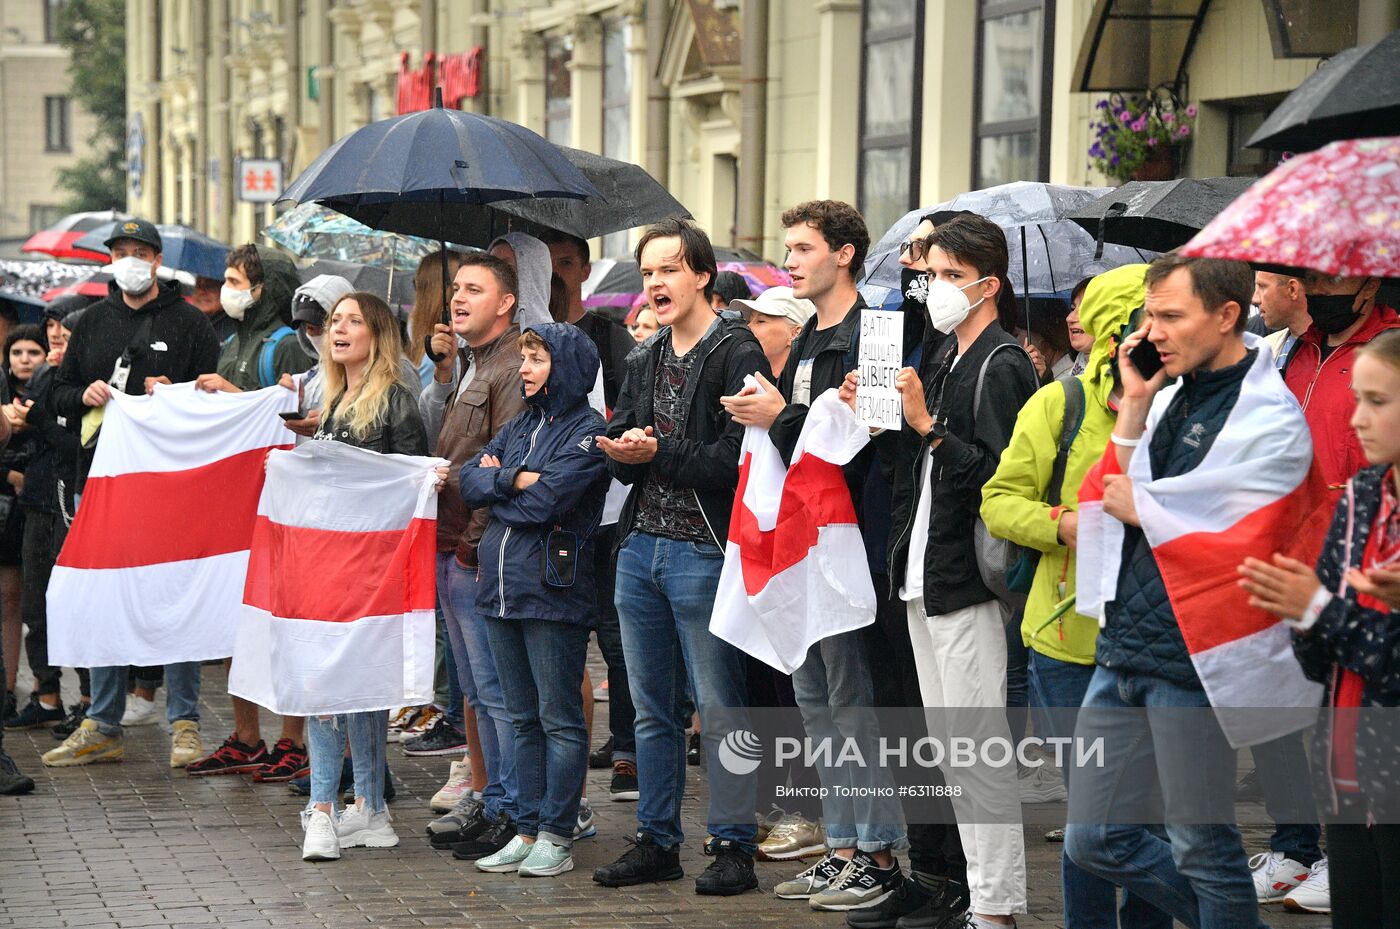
[{"x": 916, "y": 249}]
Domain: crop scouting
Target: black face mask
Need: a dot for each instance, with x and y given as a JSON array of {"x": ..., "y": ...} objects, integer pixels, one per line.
[
  {"x": 913, "y": 283},
  {"x": 1333, "y": 313}
]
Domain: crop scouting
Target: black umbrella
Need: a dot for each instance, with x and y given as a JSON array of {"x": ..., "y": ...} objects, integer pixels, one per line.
[
  {"x": 1158, "y": 215},
  {"x": 631, "y": 198},
  {"x": 368, "y": 278},
  {"x": 434, "y": 174},
  {"x": 1354, "y": 95}
]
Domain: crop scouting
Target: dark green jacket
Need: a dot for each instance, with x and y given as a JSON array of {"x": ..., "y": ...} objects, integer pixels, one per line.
[{"x": 240, "y": 355}]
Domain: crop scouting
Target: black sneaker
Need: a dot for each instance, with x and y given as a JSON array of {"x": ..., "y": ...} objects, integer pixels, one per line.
[
  {"x": 644, "y": 863},
  {"x": 34, "y": 715},
  {"x": 945, "y": 910},
  {"x": 347, "y": 782},
  {"x": 694, "y": 752},
  {"x": 862, "y": 884},
  {"x": 76, "y": 714},
  {"x": 441, "y": 738},
  {"x": 12, "y": 782},
  {"x": 731, "y": 873},
  {"x": 464, "y": 822},
  {"x": 601, "y": 758},
  {"x": 909, "y": 897},
  {"x": 624, "y": 782},
  {"x": 491, "y": 840},
  {"x": 9, "y": 706}
]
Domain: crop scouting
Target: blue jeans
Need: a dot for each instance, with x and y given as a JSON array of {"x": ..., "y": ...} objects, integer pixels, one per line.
[
  {"x": 541, "y": 669},
  {"x": 1090, "y": 902},
  {"x": 665, "y": 592},
  {"x": 833, "y": 689},
  {"x": 1198, "y": 874},
  {"x": 109, "y": 695},
  {"x": 481, "y": 685},
  {"x": 325, "y": 743},
  {"x": 447, "y": 687},
  {"x": 1018, "y": 692},
  {"x": 1286, "y": 782}
]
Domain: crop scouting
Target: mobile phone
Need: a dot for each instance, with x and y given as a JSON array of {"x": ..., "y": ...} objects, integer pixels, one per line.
[
  {"x": 293, "y": 415},
  {"x": 1146, "y": 359}
]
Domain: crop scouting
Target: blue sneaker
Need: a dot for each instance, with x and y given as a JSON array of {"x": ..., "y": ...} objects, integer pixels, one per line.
[
  {"x": 507, "y": 859},
  {"x": 546, "y": 860}
]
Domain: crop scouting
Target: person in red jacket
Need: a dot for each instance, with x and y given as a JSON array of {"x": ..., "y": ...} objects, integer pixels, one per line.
[{"x": 1345, "y": 316}]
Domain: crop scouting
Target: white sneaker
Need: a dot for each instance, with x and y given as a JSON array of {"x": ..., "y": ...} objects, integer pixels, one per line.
[
  {"x": 1314, "y": 895},
  {"x": 320, "y": 842},
  {"x": 459, "y": 779},
  {"x": 1275, "y": 876},
  {"x": 1041, "y": 785},
  {"x": 584, "y": 828},
  {"x": 140, "y": 712},
  {"x": 357, "y": 827}
]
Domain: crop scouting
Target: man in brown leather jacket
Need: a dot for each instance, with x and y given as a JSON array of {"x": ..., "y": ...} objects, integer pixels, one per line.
[{"x": 476, "y": 390}]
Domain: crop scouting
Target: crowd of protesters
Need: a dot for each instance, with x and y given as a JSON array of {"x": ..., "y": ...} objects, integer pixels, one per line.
[{"x": 592, "y": 477}]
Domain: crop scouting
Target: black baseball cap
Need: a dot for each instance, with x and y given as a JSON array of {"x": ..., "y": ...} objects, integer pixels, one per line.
[{"x": 138, "y": 230}]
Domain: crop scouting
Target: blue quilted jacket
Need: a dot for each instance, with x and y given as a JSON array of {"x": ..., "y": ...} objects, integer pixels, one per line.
[{"x": 1141, "y": 635}]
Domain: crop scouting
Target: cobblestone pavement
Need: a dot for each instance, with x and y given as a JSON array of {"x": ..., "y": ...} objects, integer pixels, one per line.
[{"x": 136, "y": 845}]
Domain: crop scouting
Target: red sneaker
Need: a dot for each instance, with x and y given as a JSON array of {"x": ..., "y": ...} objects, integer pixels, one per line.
[
  {"x": 284, "y": 763},
  {"x": 233, "y": 757}
]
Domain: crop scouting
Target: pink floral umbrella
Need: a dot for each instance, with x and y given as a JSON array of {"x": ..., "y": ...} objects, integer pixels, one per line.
[{"x": 1335, "y": 210}]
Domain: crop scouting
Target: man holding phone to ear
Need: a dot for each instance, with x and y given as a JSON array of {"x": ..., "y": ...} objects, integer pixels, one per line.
[{"x": 1195, "y": 319}]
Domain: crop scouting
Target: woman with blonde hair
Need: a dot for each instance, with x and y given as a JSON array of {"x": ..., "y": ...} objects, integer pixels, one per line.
[{"x": 368, "y": 406}]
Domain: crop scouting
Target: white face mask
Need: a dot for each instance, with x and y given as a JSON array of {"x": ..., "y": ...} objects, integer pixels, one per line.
[
  {"x": 235, "y": 302},
  {"x": 947, "y": 304},
  {"x": 317, "y": 341},
  {"x": 133, "y": 275}
]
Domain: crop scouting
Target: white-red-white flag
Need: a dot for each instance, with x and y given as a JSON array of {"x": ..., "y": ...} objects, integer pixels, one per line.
[
  {"x": 152, "y": 570},
  {"x": 794, "y": 564},
  {"x": 338, "y": 609},
  {"x": 1257, "y": 491}
]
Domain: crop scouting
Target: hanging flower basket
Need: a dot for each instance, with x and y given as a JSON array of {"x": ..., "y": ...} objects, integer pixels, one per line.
[{"x": 1141, "y": 137}]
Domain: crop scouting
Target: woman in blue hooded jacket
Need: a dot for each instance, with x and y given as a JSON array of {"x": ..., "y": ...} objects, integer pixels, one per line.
[{"x": 544, "y": 480}]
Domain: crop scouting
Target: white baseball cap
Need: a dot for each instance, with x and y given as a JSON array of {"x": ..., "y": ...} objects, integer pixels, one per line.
[{"x": 779, "y": 301}]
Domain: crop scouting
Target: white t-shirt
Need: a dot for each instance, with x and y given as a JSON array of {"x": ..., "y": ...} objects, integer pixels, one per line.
[{"x": 913, "y": 587}]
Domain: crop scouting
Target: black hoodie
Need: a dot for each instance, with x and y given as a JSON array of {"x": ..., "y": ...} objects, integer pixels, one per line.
[{"x": 179, "y": 344}]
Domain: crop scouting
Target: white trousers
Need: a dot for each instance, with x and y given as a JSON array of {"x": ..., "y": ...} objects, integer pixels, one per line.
[{"x": 961, "y": 660}]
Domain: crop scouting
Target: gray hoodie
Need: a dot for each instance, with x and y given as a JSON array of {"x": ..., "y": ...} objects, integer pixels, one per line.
[{"x": 533, "y": 266}]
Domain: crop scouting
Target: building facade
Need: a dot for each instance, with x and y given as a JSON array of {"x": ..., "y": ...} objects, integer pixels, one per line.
[
  {"x": 741, "y": 107},
  {"x": 44, "y": 129}
]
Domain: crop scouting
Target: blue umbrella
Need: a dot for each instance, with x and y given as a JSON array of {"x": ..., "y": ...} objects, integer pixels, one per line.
[{"x": 183, "y": 248}]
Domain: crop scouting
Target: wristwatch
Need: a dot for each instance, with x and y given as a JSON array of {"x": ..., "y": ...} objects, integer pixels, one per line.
[{"x": 939, "y": 430}]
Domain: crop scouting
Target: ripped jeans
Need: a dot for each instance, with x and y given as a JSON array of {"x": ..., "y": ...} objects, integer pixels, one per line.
[{"x": 325, "y": 742}]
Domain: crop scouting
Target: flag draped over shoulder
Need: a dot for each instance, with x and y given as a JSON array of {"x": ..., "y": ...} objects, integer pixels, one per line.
[
  {"x": 1257, "y": 491},
  {"x": 152, "y": 570},
  {"x": 794, "y": 564},
  {"x": 338, "y": 609}
]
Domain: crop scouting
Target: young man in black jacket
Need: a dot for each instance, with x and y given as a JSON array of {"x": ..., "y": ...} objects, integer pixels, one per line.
[
  {"x": 142, "y": 333},
  {"x": 946, "y": 453},
  {"x": 670, "y": 439},
  {"x": 826, "y": 242}
]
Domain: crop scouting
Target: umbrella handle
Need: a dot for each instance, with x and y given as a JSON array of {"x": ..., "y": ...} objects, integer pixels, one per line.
[{"x": 428, "y": 350}]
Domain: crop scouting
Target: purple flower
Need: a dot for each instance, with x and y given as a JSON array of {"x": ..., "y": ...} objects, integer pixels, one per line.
[
  {"x": 1191, "y": 111},
  {"x": 1152, "y": 142},
  {"x": 1113, "y": 161},
  {"x": 1168, "y": 118},
  {"x": 1096, "y": 150},
  {"x": 1185, "y": 131},
  {"x": 1102, "y": 105},
  {"x": 1125, "y": 116},
  {"x": 1140, "y": 124}
]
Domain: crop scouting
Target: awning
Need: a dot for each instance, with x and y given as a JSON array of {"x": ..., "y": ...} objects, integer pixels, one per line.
[{"x": 1135, "y": 45}]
